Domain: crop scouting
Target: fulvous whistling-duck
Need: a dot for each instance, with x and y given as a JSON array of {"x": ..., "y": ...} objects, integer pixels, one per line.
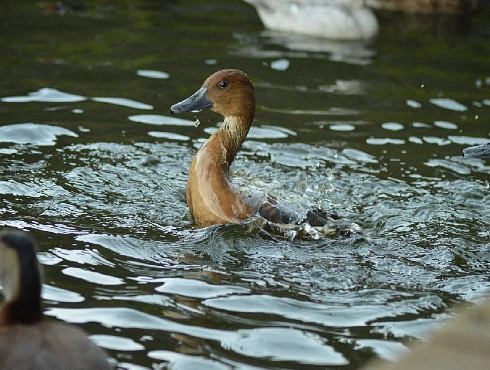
[{"x": 212, "y": 197}]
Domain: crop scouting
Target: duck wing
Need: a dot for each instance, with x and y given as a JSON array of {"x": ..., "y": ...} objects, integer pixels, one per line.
[{"x": 277, "y": 213}]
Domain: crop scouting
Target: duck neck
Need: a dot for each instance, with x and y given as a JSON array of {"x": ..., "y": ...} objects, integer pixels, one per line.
[
  {"x": 232, "y": 134},
  {"x": 23, "y": 302}
]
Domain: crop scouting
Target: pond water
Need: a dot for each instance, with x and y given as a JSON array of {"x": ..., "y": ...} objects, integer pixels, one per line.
[{"x": 94, "y": 166}]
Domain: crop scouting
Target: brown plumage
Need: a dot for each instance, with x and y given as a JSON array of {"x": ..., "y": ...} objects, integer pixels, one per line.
[
  {"x": 27, "y": 341},
  {"x": 211, "y": 196}
]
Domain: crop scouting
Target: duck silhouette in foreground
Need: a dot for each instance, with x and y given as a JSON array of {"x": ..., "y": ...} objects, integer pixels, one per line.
[
  {"x": 211, "y": 195},
  {"x": 463, "y": 343},
  {"x": 479, "y": 151},
  {"x": 26, "y": 340}
]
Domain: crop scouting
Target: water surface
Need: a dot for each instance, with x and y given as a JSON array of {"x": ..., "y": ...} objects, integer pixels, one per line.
[{"x": 93, "y": 165}]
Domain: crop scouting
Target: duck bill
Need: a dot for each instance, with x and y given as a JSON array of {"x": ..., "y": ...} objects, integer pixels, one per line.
[
  {"x": 194, "y": 103},
  {"x": 479, "y": 151}
]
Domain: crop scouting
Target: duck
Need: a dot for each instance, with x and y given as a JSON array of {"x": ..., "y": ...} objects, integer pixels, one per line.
[
  {"x": 478, "y": 151},
  {"x": 330, "y": 19},
  {"x": 213, "y": 198},
  {"x": 27, "y": 340}
]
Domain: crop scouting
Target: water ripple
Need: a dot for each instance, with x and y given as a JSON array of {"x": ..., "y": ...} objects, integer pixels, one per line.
[
  {"x": 45, "y": 94},
  {"x": 116, "y": 343},
  {"x": 450, "y": 104},
  {"x": 179, "y": 361},
  {"x": 197, "y": 289},
  {"x": 92, "y": 276},
  {"x": 123, "y": 102},
  {"x": 33, "y": 133},
  {"x": 285, "y": 344}
]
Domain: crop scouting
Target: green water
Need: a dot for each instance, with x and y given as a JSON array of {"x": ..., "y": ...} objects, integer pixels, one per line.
[{"x": 373, "y": 132}]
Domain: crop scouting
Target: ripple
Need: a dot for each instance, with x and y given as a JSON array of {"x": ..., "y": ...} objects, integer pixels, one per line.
[
  {"x": 45, "y": 95},
  {"x": 130, "y": 366},
  {"x": 116, "y": 343},
  {"x": 421, "y": 125},
  {"x": 124, "y": 102},
  {"x": 300, "y": 156},
  {"x": 446, "y": 125},
  {"x": 56, "y": 294},
  {"x": 8, "y": 151},
  {"x": 331, "y": 315},
  {"x": 280, "y": 64},
  {"x": 83, "y": 257},
  {"x": 129, "y": 318},
  {"x": 415, "y": 140},
  {"x": 468, "y": 140},
  {"x": 262, "y": 132},
  {"x": 304, "y": 46},
  {"x": 314, "y": 112},
  {"x": 345, "y": 87},
  {"x": 33, "y": 133},
  {"x": 285, "y": 344},
  {"x": 92, "y": 276},
  {"x": 155, "y": 119},
  {"x": 413, "y": 103},
  {"x": 15, "y": 188},
  {"x": 392, "y": 126},
  {"x": 359, "y": 156},
  {"x": 147, "y": 299},
  {"x": 342, "y": 127},
  {"x": 179, "y": 361},
  {"x": 152, "y": 74},
  {"x": 126, "y": 246},
  {"x": 168, "y": 135},
  {"x": 28, "y": 189},
  {"x": 385, "y": 349},
  {"x": 197, "y": 289},
  {"x": 269, "y": 132},
  {"x": 450, "y": 104},
  {"x": 384, "y": 141},
  {"x": 436, "y": 140},
  {"x": 53, "y": 228}
]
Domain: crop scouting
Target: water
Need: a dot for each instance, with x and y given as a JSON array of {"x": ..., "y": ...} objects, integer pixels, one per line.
[{"x": 94, "y": 166}]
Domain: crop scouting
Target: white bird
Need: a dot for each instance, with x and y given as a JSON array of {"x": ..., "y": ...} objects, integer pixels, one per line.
[{"x": 332, "y": 19}]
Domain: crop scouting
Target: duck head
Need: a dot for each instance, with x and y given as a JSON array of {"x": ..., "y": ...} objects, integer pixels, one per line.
[
  {"x": 211, "y": 196},
  {"x": 228, "y": 92},
  {"x": 20, "y": 279}
]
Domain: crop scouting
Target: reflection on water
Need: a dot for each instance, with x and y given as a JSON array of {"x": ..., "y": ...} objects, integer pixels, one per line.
[
  {"x": 45, "y": 94},
  {"x": 360, "y": 130},
  {"x": 36, "y": 134},
  {"x": 259, "y": 46}
]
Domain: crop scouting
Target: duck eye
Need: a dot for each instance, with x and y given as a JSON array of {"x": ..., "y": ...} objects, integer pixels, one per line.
[{"x": 223, "y": 84}]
